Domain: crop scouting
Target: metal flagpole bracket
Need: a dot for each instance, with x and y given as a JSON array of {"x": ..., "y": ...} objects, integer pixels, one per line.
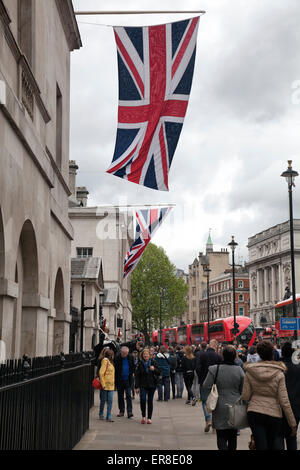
[{"x": 142, "y": 12}]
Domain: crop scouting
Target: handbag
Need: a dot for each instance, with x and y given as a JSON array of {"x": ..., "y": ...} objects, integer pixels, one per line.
[
  {"x": 237, "y": 415},
  {"x": 212, "y": 398},
  {"x": 97, "y": 383}
]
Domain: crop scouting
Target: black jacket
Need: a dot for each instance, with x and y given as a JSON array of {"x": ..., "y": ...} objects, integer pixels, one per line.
[
  {"x": 144, "y": 379},
  {"x": 173, "y": 362},
  {"x": 180, "y": 356},
  {"x": 188, "y": 365},
  {"x": 292, "y": 380},
  {"x": 118, "y": 369},
  {"x": 205, "y": 359}
]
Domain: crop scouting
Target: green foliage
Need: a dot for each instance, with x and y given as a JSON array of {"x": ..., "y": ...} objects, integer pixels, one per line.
[{"x": 153, "y": 274}]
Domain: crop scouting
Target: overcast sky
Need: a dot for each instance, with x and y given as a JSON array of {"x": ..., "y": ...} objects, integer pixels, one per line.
[{"x": 241, "y": 126}]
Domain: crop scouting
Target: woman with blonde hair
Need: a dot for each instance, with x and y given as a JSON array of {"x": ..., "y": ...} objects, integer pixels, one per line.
[
  {"x": 146, "y": 378},
  {"x": 107, "y": 379},
  {"x": 188, "y": 368}
]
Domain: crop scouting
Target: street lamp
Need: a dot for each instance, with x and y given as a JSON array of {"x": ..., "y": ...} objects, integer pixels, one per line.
[
  {"x": 233, "y": 244},
  {"x": 206, "y": 273},
  {"x": 161, "y": 293},
  {"x": 101, "y": 301},
  {"x": 290, "y": 176}
]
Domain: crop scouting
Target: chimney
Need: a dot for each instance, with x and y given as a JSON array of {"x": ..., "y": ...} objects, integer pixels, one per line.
[
  {"x": 82, "y": 195},
  {"x": 72, "y": 177}
]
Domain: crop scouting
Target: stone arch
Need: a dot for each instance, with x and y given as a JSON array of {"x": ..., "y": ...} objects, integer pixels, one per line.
[
  {"x": 59, "y": 302},
  {"x": 27, "y": 274}
]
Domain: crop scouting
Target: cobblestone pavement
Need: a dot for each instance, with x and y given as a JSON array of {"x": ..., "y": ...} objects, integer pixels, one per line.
[{"x": 175, "y": 426}]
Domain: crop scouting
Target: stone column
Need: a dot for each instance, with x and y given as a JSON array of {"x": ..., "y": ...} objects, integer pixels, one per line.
[
  {"x": 273, "y": 277},
  {"x": 266, "y": 284},
  {"x": 34, "y": 330},
  {"x": 8, "y": 296}
]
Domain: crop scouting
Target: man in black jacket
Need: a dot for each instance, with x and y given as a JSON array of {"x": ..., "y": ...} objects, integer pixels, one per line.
[
  {"x": 205, "y": 358},
  {"x": 124, "y": 370},
  {"x": 292, "y": 379}
]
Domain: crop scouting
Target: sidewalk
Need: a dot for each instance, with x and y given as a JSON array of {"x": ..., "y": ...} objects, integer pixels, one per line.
[{"x": 175, "y": 426}]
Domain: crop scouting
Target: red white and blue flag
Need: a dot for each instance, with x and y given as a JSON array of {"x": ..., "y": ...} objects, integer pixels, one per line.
[
  {"x": 147, "y": 222},
  {"x": 156, "y": 66}
]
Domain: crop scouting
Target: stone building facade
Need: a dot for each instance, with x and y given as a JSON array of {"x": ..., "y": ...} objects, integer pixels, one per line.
[
  {"x": 36, "y": 38},
  {"x": 104, "y": 232},
  {"x": 270, "y": 270},
  {"x": 218, "y": 262},
  {"x": 221, "y": 295}
]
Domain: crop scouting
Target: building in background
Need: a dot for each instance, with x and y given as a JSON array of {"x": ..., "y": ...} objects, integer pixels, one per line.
[
  {"x": 36, "y": 38},
  {"x": 221, "y": 295},
  {"x": 270, "y": 270},
  {"x": 218, "y": 262},
  {"x": 104, "y": 232}
]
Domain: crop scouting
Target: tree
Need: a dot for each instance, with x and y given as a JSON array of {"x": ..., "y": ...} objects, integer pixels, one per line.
[{"x": 155, "y": 273}]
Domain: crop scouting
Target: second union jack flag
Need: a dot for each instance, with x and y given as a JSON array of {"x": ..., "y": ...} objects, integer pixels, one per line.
[
  {"x": 156, "y": 65},
  {"x": 147, "y": 222}
]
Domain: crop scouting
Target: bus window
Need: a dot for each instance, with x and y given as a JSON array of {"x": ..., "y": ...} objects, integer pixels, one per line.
[{"x": 216, "y": 328}]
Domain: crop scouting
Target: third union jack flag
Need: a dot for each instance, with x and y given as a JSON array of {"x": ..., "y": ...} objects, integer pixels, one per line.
[
  {"x": 147, "y": 222},
  {"x": 156, "y": 65}
]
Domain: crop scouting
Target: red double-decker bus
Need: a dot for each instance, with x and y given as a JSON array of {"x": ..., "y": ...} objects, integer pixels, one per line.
[
  {"x": 222, "y": 330},
  {"x": 285, "y": 309}
]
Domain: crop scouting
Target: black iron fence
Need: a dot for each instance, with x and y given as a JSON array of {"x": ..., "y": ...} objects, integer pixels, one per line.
[{"x": 45, "y": 401}]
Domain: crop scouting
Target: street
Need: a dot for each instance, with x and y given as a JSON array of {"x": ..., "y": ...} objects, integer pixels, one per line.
[{"x": 175, "y": 426}]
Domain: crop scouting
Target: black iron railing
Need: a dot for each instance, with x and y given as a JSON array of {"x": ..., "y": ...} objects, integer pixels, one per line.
[{"x": 45, "y": 401}]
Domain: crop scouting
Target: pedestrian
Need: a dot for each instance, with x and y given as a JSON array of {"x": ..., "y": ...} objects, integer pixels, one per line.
[
  {"x": 146, "y": 379},
  {"x": 252, "y": 355},
  {"x": 107, "y": 379},
  {"x": 173, "y": 365},
  {"x": 206, "y": 357},
  {"x": 179, "y": 372},
  {"x": 135, "y": 363},
  {"x": 152, "y": 352},
  {"x": 229, "y": 379},
  {"x": 163, "y": 386},
  {"x": 265, "y": 390},
  {"x": 277, "y": 355},
  {"x": 188, "y": 367},
  {"x": 124, "y": 365},
  {"x": 292, "y": 381}
]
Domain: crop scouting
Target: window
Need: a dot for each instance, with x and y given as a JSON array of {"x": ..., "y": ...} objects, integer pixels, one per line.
[
  {"x": 241, "y": 298},
  {"x": 241, "y": 284},
  {"x": 25, "y": 28},
  {"x": 216, "y": 328},
  {"x": 241, "y": 311},
  {"x": 84, "y": 252}
]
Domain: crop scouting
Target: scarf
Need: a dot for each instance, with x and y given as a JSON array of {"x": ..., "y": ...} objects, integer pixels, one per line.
[{"x": 147, "y": 365}]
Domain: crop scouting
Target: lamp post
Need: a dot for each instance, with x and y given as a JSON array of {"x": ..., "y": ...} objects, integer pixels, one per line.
[
  {"x": 207, "y": 271},
  {"x": 290, "y": 176},
  {"x": 161, "y": 293},
  {"x": 233, "y": 244},
  {"x": 101, "y": 300}
]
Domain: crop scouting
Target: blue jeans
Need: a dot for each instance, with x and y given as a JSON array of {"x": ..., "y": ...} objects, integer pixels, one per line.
[
  {"x": 266, "y": 430},
  {"x": 106, "y": 396},
  {"x": 144, "y": 394},
  {"x": 179, "y": 383},
  {"x": 164, "y": 383},
  {"x": 207, "y": 416}
]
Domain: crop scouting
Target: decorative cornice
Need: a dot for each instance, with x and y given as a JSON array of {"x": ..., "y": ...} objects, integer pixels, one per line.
[{"x": 69, "y": 23}]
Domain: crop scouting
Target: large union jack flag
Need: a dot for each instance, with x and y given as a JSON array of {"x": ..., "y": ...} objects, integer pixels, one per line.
[
  {"x": 147, "y": 222},
  {"x": 156, "y": 65}
]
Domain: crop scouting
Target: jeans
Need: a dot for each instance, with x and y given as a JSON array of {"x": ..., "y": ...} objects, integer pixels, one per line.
[
  {"x": 144, "y": 394},
  {"x": 124, "y": 386},
  {"x": 188, "y": 380},
  {"x": 172, "y": 377},
  {"x": 227, "y": 439},
  {"x": 164, "y": 383},
  {"x": 106, "y": 396},
  {"x": 266, "y": 430},
  {"x": 179, "y": 383},
  {"x": 207, "y": 416}
]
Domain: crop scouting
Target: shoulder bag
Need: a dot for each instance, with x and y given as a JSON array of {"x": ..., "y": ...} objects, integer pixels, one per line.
[
  {"x": 212, "y": 398},
  {"x": 237, "y": 415}
]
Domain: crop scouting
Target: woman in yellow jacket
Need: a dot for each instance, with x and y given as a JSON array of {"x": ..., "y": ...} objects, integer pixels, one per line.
[{"x": 107, "y": 379}]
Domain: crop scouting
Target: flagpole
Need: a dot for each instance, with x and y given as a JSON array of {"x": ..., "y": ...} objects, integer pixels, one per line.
[{"x": 143, "y": 12}]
